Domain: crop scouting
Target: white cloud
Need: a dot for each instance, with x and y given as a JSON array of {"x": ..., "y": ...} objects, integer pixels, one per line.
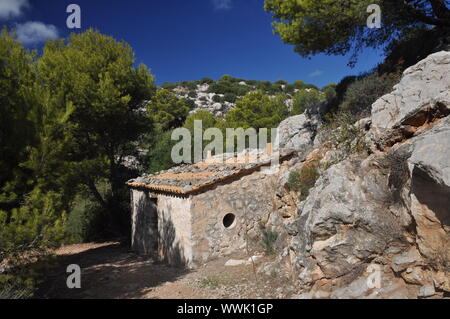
[
  {"x": 222, "y": 4},
  {"x": 12, "y": 8},
  {"x": 316, "y": 73},
  {"x": 30, "y": 33}
]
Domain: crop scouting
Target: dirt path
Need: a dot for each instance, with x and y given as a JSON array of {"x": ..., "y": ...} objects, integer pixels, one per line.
[{"x": 110, "y": 270}]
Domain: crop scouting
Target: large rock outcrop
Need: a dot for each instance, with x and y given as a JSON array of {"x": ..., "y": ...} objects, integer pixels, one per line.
[
  {"x": 423, "y": 93},
  {"x": 379, "y": 227},
  {"x": 429, "y": 190},
  {"x": 298, "y": 132}
]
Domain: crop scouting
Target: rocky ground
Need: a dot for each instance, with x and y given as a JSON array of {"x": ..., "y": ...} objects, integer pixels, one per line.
[{"x": 111, "y": 270}]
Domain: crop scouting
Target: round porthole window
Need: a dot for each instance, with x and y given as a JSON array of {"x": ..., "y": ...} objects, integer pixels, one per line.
[{"x": 229, "y": 220}]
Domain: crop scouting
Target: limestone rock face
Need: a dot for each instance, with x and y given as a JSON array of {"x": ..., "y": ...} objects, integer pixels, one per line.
[
  {"x": 298, "y": 132},
  {"x": 431, "y": 154},
  {"x": 396, "y": 215},
  {"x": 379, "y": 227},
  {"x": 422, "y": 95},
  {"x": 429, "y": 166},
  {"x": 345, "y": 220},
  {"x": 407, "y": 259},
  {"x": 423, "y": 89}
]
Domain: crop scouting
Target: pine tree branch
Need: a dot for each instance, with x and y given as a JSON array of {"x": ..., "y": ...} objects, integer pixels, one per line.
[{"x": 440, "y": 10}]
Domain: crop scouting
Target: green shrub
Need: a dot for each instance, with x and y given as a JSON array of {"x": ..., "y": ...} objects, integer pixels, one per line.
[
  {"x": 343, "y": 135},
  {"x": 330, "y": 92},
  {"x": 268, "y": 240},
  {"x": 89, "y": 221},
  {"x": 167, "y": 110},
  {"x": 333, "y": 105},
  {"x": 293, "y": 183},
  {"x": 348, "y": 102},
  {"x": 213, "y": 282},
  {"x": 206, "y": 81},
  {"x": 159, "y": 156},
  {"x": 189, "y": 103},
  {"x": 26, "y": 235},
  {"x": 281, "y": 82},
  {"x": 169, "y": 86},
  {"x": 230, "y": 97},
  {"x": 258, "y": 110},
  {"x": 191, "y": 86},
  {"x": 306, "y": 99},
  {"x": 304, "y": 179},
  {"x": 84, "y": 220},
  {"x": 362, "y": 93},
  {"x": 226, "y": 78},
  {"x": 9, "y": 291},
  {"x": 308, "y": 176},
  {"x": 25, "y": 272},
  {"x": 298, "y": 85},
  {"x": 39, "y": 223}
]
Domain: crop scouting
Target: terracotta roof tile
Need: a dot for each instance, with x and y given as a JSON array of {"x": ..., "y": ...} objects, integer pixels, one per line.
[{"x": 198, "y": 177}]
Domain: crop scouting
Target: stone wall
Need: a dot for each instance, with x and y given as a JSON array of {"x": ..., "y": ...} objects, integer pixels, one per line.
[
  {"x": 191, "y": 229},
  {"x": 175, "y": 229},
  {"x": 250, "y": 199},
  {"x": 161, "y": 227}
]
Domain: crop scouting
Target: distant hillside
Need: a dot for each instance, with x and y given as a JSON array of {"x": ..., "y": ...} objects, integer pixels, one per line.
[{"x": 220, "y": 96}]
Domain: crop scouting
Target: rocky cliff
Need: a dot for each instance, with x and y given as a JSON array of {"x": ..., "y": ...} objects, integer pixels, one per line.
[{"x": 378, "y": 225}]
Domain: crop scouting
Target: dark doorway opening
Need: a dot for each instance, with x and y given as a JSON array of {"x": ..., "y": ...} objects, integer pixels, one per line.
[{"x": 153, "y": 224}]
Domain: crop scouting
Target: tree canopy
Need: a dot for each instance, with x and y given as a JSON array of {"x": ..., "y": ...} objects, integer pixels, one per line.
[
  {"x": 93, "y": 80},
  {"x": 167, "y": 110},
  {"x": 258, "y": 110},
  {"x": 16, "y": 79},
  {"x": 68, "y": 116},
  {"x": 306, "y": 99},
  {"x": 340, "y": 26}
]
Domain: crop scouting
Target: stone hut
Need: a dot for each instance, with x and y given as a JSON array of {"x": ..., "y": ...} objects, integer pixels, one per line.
[{"x": 192, "y": 213}]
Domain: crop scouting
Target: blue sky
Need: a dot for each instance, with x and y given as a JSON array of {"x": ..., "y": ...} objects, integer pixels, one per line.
[{"x": 186, "y": 39}]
